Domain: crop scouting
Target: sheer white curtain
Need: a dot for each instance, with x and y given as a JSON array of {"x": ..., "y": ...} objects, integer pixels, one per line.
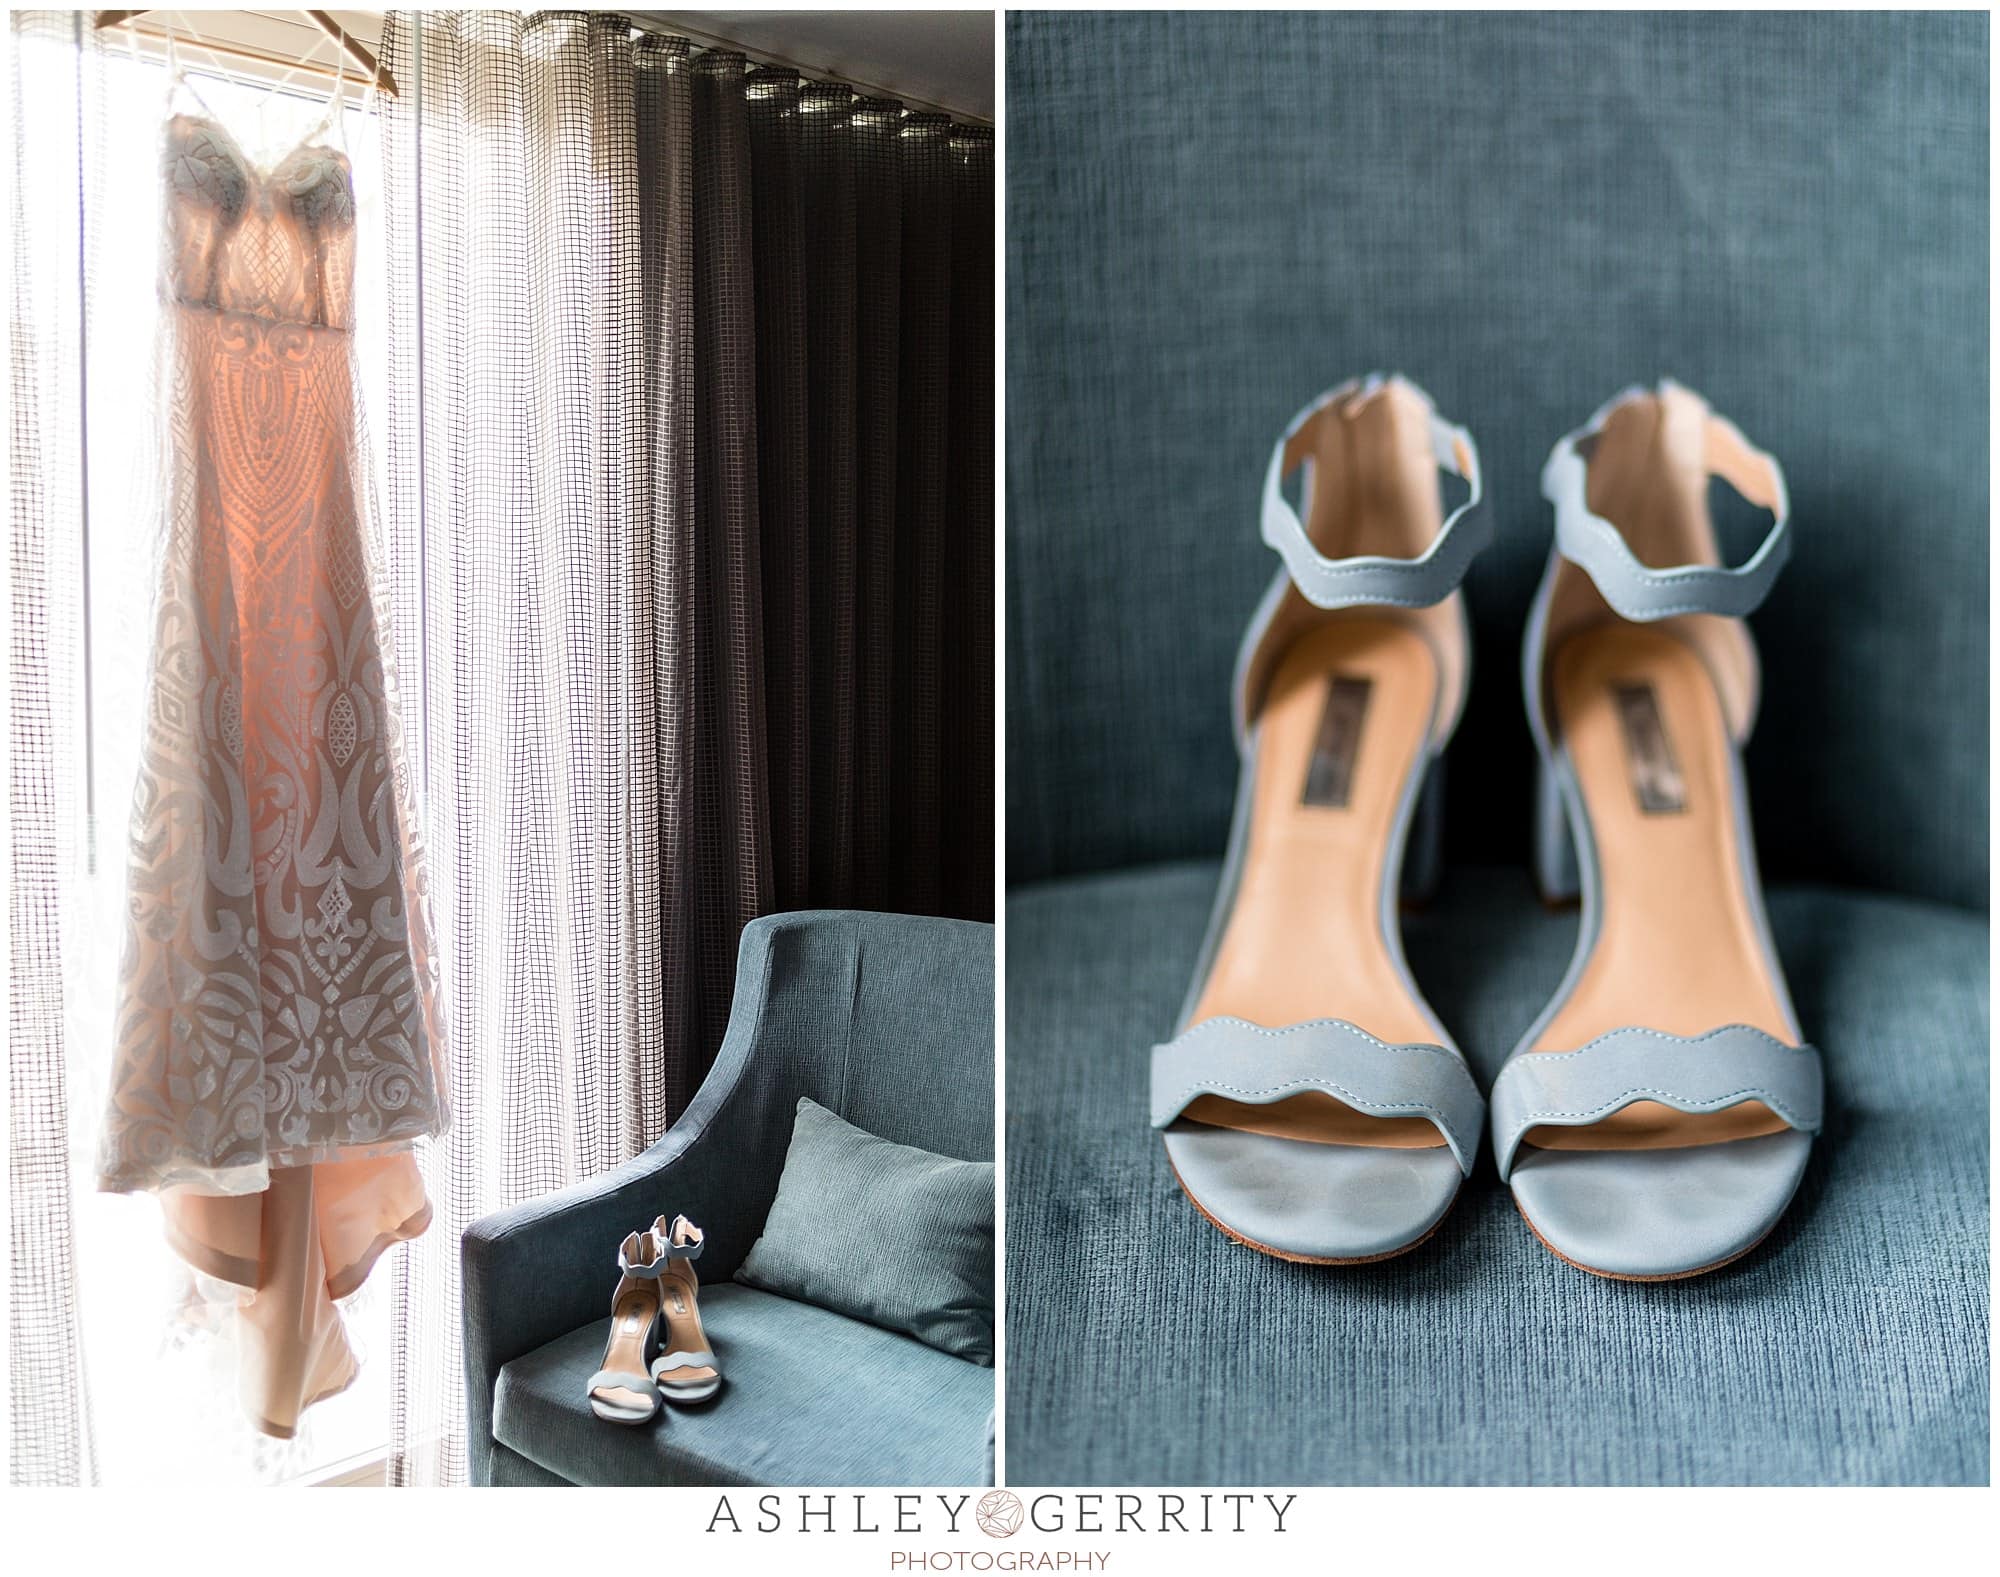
[
  {"x": 56, "y": 121},
  {"x": 526, "y": 507}
]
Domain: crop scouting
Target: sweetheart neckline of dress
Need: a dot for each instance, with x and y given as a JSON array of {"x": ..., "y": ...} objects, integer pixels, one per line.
[
  {"x": 264, "y": 174},
  {"x": 205, "y": 115}
]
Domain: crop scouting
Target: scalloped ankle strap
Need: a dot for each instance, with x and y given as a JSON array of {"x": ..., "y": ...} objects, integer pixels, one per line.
[
  {"x": 643, "y": 1255},
  {"x": 1637, "y": 591},
  {"x": 685, "y": 1241},
  {"x": 1367, "y": 580}
]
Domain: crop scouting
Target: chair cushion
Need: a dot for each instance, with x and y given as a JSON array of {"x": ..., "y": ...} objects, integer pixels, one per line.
[
  {"x": 810, "y": 1397},
  {"x": 1851, "y": 1348},
  {"x": 885, "y": 1232}
]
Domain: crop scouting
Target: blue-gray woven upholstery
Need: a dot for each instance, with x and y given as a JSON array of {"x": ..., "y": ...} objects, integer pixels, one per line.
[
  {"x": 812, "y": 1397},
  {"x": 1213, "y": 217},
  {"x": 1850, "y": 1348},
  {"x": 886, "y": 1020}
]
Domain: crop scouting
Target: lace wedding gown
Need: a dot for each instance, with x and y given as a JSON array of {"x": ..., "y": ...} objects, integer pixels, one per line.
[{"x": 277, "y": 1043}]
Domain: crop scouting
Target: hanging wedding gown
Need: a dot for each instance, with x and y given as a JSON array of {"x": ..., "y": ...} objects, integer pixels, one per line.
[{"x": 278, "y": 1045}]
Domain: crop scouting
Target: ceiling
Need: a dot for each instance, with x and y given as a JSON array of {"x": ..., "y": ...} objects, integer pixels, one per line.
[{"x": 942, "y": 58}]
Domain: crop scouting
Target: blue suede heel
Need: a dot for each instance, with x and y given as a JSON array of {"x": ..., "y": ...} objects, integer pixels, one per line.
[
  {"x": 624, "y": 1391},
  {"x": 1326, "y": 1137},
  {"x": 1656, "y": 1120},
  {"x": 690, "y": 1373}
]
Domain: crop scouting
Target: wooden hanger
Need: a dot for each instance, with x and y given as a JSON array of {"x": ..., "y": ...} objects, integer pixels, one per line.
[{"x": 372, "y": 69}]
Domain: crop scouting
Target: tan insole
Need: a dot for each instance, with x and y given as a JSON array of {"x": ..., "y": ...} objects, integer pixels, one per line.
[
  {"x": 684, "y": 1332},
  {"x": 1304, "y": 939},
  {"x": 1678, "y": 947},
  {"x": 631, "y": 1320}
]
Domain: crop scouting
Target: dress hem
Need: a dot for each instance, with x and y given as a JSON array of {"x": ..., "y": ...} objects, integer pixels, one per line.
[
  {"x": 347, "y": 1282},
  {"x": 210, "y": 1261},
  {"x": 277, "y": 1431},
  {"x": 253, "y": 1177}
]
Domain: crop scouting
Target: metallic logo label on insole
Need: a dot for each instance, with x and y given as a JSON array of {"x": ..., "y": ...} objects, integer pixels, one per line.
[
  {"x": 1649, "y": 754},
  {"x": 1330, "y": 774}
]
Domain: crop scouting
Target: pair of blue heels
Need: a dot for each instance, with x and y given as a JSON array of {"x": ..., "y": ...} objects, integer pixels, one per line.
[
  {"x": 1655, "y": 1120},
  {"x": 656, "y": 1350}
]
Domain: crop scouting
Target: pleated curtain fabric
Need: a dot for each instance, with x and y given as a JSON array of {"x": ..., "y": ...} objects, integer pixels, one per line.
[
  {"x": 57, "y": 134},
  {"x": 689, "y": 492}
]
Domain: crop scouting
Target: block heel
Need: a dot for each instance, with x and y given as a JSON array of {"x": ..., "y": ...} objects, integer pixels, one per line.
[
  {"x": 1423, "y": 844},
  {"x": 1558, "y": 877}
]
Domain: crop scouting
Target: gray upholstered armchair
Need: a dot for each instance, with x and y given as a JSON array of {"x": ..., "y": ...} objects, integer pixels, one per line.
[{"x": 885, "y": 1019}]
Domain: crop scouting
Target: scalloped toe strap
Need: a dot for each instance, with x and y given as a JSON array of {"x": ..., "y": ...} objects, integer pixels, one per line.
[
  {"x": 1240, "y": 1061},
  {"x": 665, "y": 1365},
  {"x": 1700, "y": 1073},
  {"x": 621, "y": 1380}
]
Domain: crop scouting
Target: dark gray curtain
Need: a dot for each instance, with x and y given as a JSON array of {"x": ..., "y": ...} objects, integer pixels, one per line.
[
  {"x": 839, "y": 588},
  {"x": 689, "y": 497}
]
